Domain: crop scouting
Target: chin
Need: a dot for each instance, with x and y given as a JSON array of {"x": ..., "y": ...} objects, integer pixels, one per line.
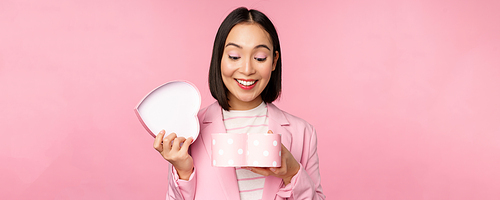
[{"x": 247, "y": 99}]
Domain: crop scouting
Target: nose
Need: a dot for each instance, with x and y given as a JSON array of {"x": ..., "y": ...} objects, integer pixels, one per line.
[{"x": 248, "y": 67}]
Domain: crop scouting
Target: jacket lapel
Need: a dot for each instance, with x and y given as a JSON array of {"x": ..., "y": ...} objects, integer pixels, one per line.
[
  {"x": 212, "y": 123},
  {"x": 277, "y": 124}
]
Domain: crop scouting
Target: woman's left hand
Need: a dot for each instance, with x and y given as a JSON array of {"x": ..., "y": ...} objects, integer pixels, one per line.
[{"x": 289, "y": 167}]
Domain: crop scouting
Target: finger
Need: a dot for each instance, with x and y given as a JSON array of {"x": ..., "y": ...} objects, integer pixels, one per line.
[
  {"x": 168, "y": 140},
  {"x": 275, "y": 170},
  {"x": 284, "y": 153},
  {"x": 176, "y": 146},
  {"x": 186, "y": 144},
  {"x": 158, "y": 139},
  {"x": 261, "y": 171},
  {"x": 270, "y": 132},
  {"x": 279, "y": 170},
  {"x": 288, "y": 162},
  {"x": 284, "y": 149}
]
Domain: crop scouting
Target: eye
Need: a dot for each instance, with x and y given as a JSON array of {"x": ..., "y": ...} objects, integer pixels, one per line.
[
  {"x": 261, "y": 59},
  {"x": 234, "y": 57}
]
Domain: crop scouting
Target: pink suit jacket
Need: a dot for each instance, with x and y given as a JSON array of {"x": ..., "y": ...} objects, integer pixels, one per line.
[{"x": 208, "y": 182}]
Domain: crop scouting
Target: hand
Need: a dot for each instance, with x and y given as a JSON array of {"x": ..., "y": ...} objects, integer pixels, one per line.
[
  {"x": 289, "y": 166},
  {"x": 175, "y": 154}
]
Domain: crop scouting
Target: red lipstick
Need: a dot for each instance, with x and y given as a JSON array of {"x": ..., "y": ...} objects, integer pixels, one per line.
[{"x": 246, "y": 87}]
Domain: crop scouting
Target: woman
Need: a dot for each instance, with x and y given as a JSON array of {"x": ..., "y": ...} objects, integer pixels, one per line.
[{"x": 244, "y": 78}]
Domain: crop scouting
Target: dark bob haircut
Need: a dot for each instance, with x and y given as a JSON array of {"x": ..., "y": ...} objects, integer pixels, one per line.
[{"x": 241, "y": 15}]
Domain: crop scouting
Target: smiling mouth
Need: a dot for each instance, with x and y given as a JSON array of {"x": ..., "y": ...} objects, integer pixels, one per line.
[{"x": 246, "y": 82}]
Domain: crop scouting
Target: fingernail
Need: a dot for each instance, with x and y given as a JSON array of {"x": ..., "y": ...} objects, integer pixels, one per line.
[
  {"x": 272, "y": 169},
  {"x": 162, "y": 131}
]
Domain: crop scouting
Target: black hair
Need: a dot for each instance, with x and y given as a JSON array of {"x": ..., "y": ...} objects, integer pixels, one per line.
[{"x": 240, "y": 15}]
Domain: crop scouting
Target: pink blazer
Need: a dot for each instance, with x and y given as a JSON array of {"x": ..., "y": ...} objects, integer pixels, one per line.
[{"x": 209, "y": 182}]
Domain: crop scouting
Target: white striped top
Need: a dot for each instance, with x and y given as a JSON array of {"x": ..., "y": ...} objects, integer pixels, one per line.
[{"x": 251, "y": 185}]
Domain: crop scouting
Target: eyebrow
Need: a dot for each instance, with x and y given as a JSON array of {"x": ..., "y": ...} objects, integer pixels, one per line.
[{"x": 256, "y": 47}]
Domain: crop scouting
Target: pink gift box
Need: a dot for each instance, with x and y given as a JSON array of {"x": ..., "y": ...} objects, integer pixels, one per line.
[{"x": 239, "y": 150}]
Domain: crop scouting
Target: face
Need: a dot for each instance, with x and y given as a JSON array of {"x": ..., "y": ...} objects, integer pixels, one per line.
[{"x": 247, "y": 64}]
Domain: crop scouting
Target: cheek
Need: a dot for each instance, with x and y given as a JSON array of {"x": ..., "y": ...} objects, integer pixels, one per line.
[
  {"x": 266, "y": 71},
  {"x": 225, "y": 69}
]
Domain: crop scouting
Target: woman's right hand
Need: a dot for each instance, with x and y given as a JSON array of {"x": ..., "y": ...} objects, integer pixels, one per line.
[{"x": 175, "y": 154}]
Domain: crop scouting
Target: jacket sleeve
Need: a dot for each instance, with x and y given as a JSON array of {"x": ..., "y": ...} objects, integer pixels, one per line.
[
  {"x": 306, "y": 184},
  {"x": 180, "y": 189}
]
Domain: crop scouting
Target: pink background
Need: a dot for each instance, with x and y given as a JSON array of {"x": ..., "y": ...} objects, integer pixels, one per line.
[{"x": 403, "y": 94}]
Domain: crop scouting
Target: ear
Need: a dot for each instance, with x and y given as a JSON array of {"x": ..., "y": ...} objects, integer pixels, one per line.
[{"x": 275, "y": 60}]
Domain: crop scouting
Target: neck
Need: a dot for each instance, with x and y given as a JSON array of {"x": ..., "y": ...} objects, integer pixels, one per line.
[{"x": 236, "y": 104}]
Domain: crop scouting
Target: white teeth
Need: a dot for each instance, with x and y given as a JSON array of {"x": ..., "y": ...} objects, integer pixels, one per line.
[{"x": 245, "y": 83}]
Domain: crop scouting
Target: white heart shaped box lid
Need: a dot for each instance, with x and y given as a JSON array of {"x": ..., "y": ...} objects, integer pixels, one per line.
[{"x": 172, "y": 107}]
